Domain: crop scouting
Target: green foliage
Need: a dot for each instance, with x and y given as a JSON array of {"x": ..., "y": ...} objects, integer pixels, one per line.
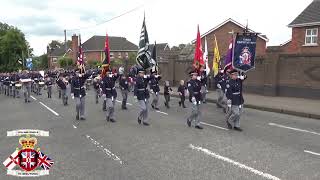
[
  {"x": 65, "y": 62},
  {"x": 13, "y": 47},
  {"x": 40, "y": 62},
  {"x": 94, "y": 63}
]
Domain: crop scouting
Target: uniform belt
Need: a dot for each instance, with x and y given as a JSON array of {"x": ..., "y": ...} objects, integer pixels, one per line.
[
  {"x": 196, "y": 93},
  {"x": 236, "y": 93},
  {"x": 110, "y": 88},
  {"x": 141, "y": 89},
  {"x": 154, "y": 85},
  {"x": 80, "y": 87}
]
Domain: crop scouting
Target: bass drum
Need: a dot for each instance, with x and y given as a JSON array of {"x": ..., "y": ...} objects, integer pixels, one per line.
[
  {"x": 41, "y": 84},
  {"x": 18, "y": 86}
]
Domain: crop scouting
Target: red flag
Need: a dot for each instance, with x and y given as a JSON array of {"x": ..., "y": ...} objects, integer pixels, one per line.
[
  {"x": 198, "y": 55},
  {"x": 106, "y": 51}
]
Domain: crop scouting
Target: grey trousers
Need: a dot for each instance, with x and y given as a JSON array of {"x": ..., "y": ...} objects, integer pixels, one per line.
[
  {"x": 64, "y": 96},
  {"x": 110, "y": 108},
  {"x": 155, "y": 99},
  {"x": 49, "y": 89},
  {"x": 80, "y": 106},
  {"x": 204, "y": 93},
  {"x": 220, "y": 95},
  {"x": 124, "y": 94},
  {"x": 233, "y": 116},
  {"x": 195, "y": 114},
  {"x": 27, "y": 91},
  {"x": 143, "y": 115}
]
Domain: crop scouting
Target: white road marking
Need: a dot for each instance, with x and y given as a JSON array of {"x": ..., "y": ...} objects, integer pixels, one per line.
[
  {"x": 242, "y": 166},
  {"x": 310, "y": 152},
  {"x": 295, "y": 129},
  {"x": 105, "y": 150},
  {"x": 74, "y": 126},
  {"x": 121, "y": 102},
  {"x": 214, "y": 126},
  {"x": 55, "y": 113},
  {"x": 33, "y": 98},
  {"x": 162, "y": 112},
  {"x": 129, "y": 104}
]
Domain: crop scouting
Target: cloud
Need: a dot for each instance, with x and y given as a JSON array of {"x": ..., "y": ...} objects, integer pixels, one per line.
[{"x": 36, "y": 5}]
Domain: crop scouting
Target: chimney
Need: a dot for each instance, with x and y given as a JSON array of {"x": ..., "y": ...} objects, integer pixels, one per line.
[{"x": 75, "y": 47}]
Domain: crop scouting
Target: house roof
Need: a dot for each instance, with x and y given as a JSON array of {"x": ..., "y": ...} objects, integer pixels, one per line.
[
  {"x": 309, "y": 16},
  {"x": 161, "y": 46},
  {"x": 59, "y": 51},
  {"x": 96, "y": 43},
  {"x": 264, "y": 37}
]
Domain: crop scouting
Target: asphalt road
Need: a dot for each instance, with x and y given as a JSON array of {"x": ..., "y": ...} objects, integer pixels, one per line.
[{"x": 272, "y": 146}]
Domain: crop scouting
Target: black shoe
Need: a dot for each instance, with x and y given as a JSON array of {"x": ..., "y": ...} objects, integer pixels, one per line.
[
  {"x": 237, "y": 129},
  {"x": 157, "y": 109},
  {"x": 152, "y": 106},
  {"x": 108, "y": 119},
  {"x": 199, "y": 127},
  {"x": 112, "y": 120},
  {"x": 189, "y": 122},
  {"x": 124, "y": 108},
  {"x": 77, "y": 117},
  {"x": 229, "y": 125},
  {"x": 179, "y": 104},
  {"x": 25, "y": 101},
  {"x": 29, "y": 101},
  {"x": 184, "y": 106},
  {"x": 146, "y": 124},
  {"x": 139, "y": 120},
  {"x": 82, "y": 118},
  {"x": 204, "y": 102}
]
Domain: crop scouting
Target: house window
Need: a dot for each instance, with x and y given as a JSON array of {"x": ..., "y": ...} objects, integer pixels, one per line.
[
  {"x": 111, "y": 55},
  {"x": 54, "y": 60},
  {"x": 127, "y": 55},
  {"x": 119, "y": 55},
  {"x": 312, "y": 36}
]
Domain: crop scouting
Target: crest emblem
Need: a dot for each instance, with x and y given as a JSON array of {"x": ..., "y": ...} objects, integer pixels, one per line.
[
  {"x": 245, "y": 56},
  {"x": 31, "y": 161}
]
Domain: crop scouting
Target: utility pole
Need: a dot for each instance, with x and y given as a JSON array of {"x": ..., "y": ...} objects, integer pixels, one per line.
[{"x": 65, "y": 41}]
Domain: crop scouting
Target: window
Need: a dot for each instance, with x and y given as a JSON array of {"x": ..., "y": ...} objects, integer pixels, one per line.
[
  {"x": 119, "y": 55},
  {"x": 311, "y": 36},
  {"x": 111, "y": 55},
  {"x": 127, "y": 55},
  {"x": 54, "y": 60}
]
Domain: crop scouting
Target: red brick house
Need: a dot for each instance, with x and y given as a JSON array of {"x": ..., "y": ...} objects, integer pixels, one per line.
[
  {"x": 305, "y": 31},
  {"x": 93, "y": 49},
  {"x": 222, "y": 33},
  {"x": 119, "y": 48}
]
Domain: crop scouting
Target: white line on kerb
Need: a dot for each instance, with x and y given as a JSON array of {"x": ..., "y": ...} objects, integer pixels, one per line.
[
  {"x": 310, "y": 152},
  {"x": 242, "y": 166},
  {"x": 33, "y": 98},
  {"x": 162, "y": 112},
  {"x": 55, "y": 113},
  {"x": 214, "y": 126},
  {"x": 296, "y": 129}
]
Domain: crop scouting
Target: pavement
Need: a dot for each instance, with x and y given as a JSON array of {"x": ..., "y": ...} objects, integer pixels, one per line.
[
  {"x": 272, "y": 146},
  {"x": 287, "y": 105}
]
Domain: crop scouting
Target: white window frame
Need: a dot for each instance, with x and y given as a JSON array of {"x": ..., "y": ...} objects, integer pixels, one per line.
[
  {"x": 111, "y": 55},
  {"x": 119, "y": 55},
  {"x": 54, "y": 60},
  {"x": 312, "y": 36}
]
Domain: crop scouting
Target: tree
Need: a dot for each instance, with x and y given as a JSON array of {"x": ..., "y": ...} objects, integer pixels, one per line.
[
  {"x": 13, "y": 47},
  {"x": 65, "y": 62},
  {"x": 41, "y": 62}
]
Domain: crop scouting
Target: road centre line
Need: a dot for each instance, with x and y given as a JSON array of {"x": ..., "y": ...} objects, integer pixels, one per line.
[
  {"x": 310, "y": 152},
  {"x": 228, "y": 160},
  {"x": 292, "y": 128},
  {"x": 33, "y": 98},
  {"x": 214, "y": 126},
  {"x": 162, "y": 112},
  {"x": 55, "y": 113}
]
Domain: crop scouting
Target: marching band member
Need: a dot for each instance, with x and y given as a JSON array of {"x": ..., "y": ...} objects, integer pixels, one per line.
[
  {"x": 181, "y": 90},
  {"x": 142, "y": 94},
  {"x": 194, "y": 88},
  {"x": 110, "y": 93},
  {"x": 26, "y": 83},
  {"x": 78, "y": 92},
  {"x": 219, "y": 79},
  {"x": 96, "y": 86},
  {"x": 155, "y": 89},
  {"x": 48, "y": 83},
  {"x": 124, "y": 87},
  {"x": 204, "y": 79},
  {"x": 61, "y": 82},
  {"x": 167, "y": 91},
  {"x": 7, "y": 84},
  {"x": 235, "y": 100}
]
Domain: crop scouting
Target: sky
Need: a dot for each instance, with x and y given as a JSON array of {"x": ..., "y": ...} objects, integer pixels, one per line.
[{"x": 170, "y": 21}]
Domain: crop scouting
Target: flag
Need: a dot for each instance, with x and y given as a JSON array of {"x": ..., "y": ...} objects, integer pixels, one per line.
[
  {"x": 80, "y": 53},
  {"x": 44, "y": 161},
  {"x": 216, "y": 58},
  {"x": 12, "y": 160},
  {"x": 144, "y": 59},
  {"x": 229, "y": 56},
  {"x": 198, "y": 55},
  {"x": 29, "y": 63},
  {"x": 154, "y": 57},
  {"x": 205, "y": 56},
  {"x": 106, "y": 52}
]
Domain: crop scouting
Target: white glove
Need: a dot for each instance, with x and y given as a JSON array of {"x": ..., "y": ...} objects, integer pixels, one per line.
[
  {"x": 112, "y": 98},
  {"x": 72, "y": 95},
  {"x": 104, "y": 95},
  {"x": 199, "y": 78},
  {"x": 145, "y": 100},
  {"x": 145, "y": 76},
  {"x": 229, "y": 103},
  {"x": 110, "y": 75},
  {"x": 240, "y": 106},
  {"x": 156, "y": 76},
  {"x": 219, "y": 86},
  {"x": 151, "y": 91},
  {"x": 241, "y": 77},
  {"x": 193, "y": 100},
  {"x": 80, "y": 75}
]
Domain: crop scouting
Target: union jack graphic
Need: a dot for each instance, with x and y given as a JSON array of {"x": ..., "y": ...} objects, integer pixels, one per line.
[
  {"x": 29, "y": 159},
  {"x": 44, "y": 161}
]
